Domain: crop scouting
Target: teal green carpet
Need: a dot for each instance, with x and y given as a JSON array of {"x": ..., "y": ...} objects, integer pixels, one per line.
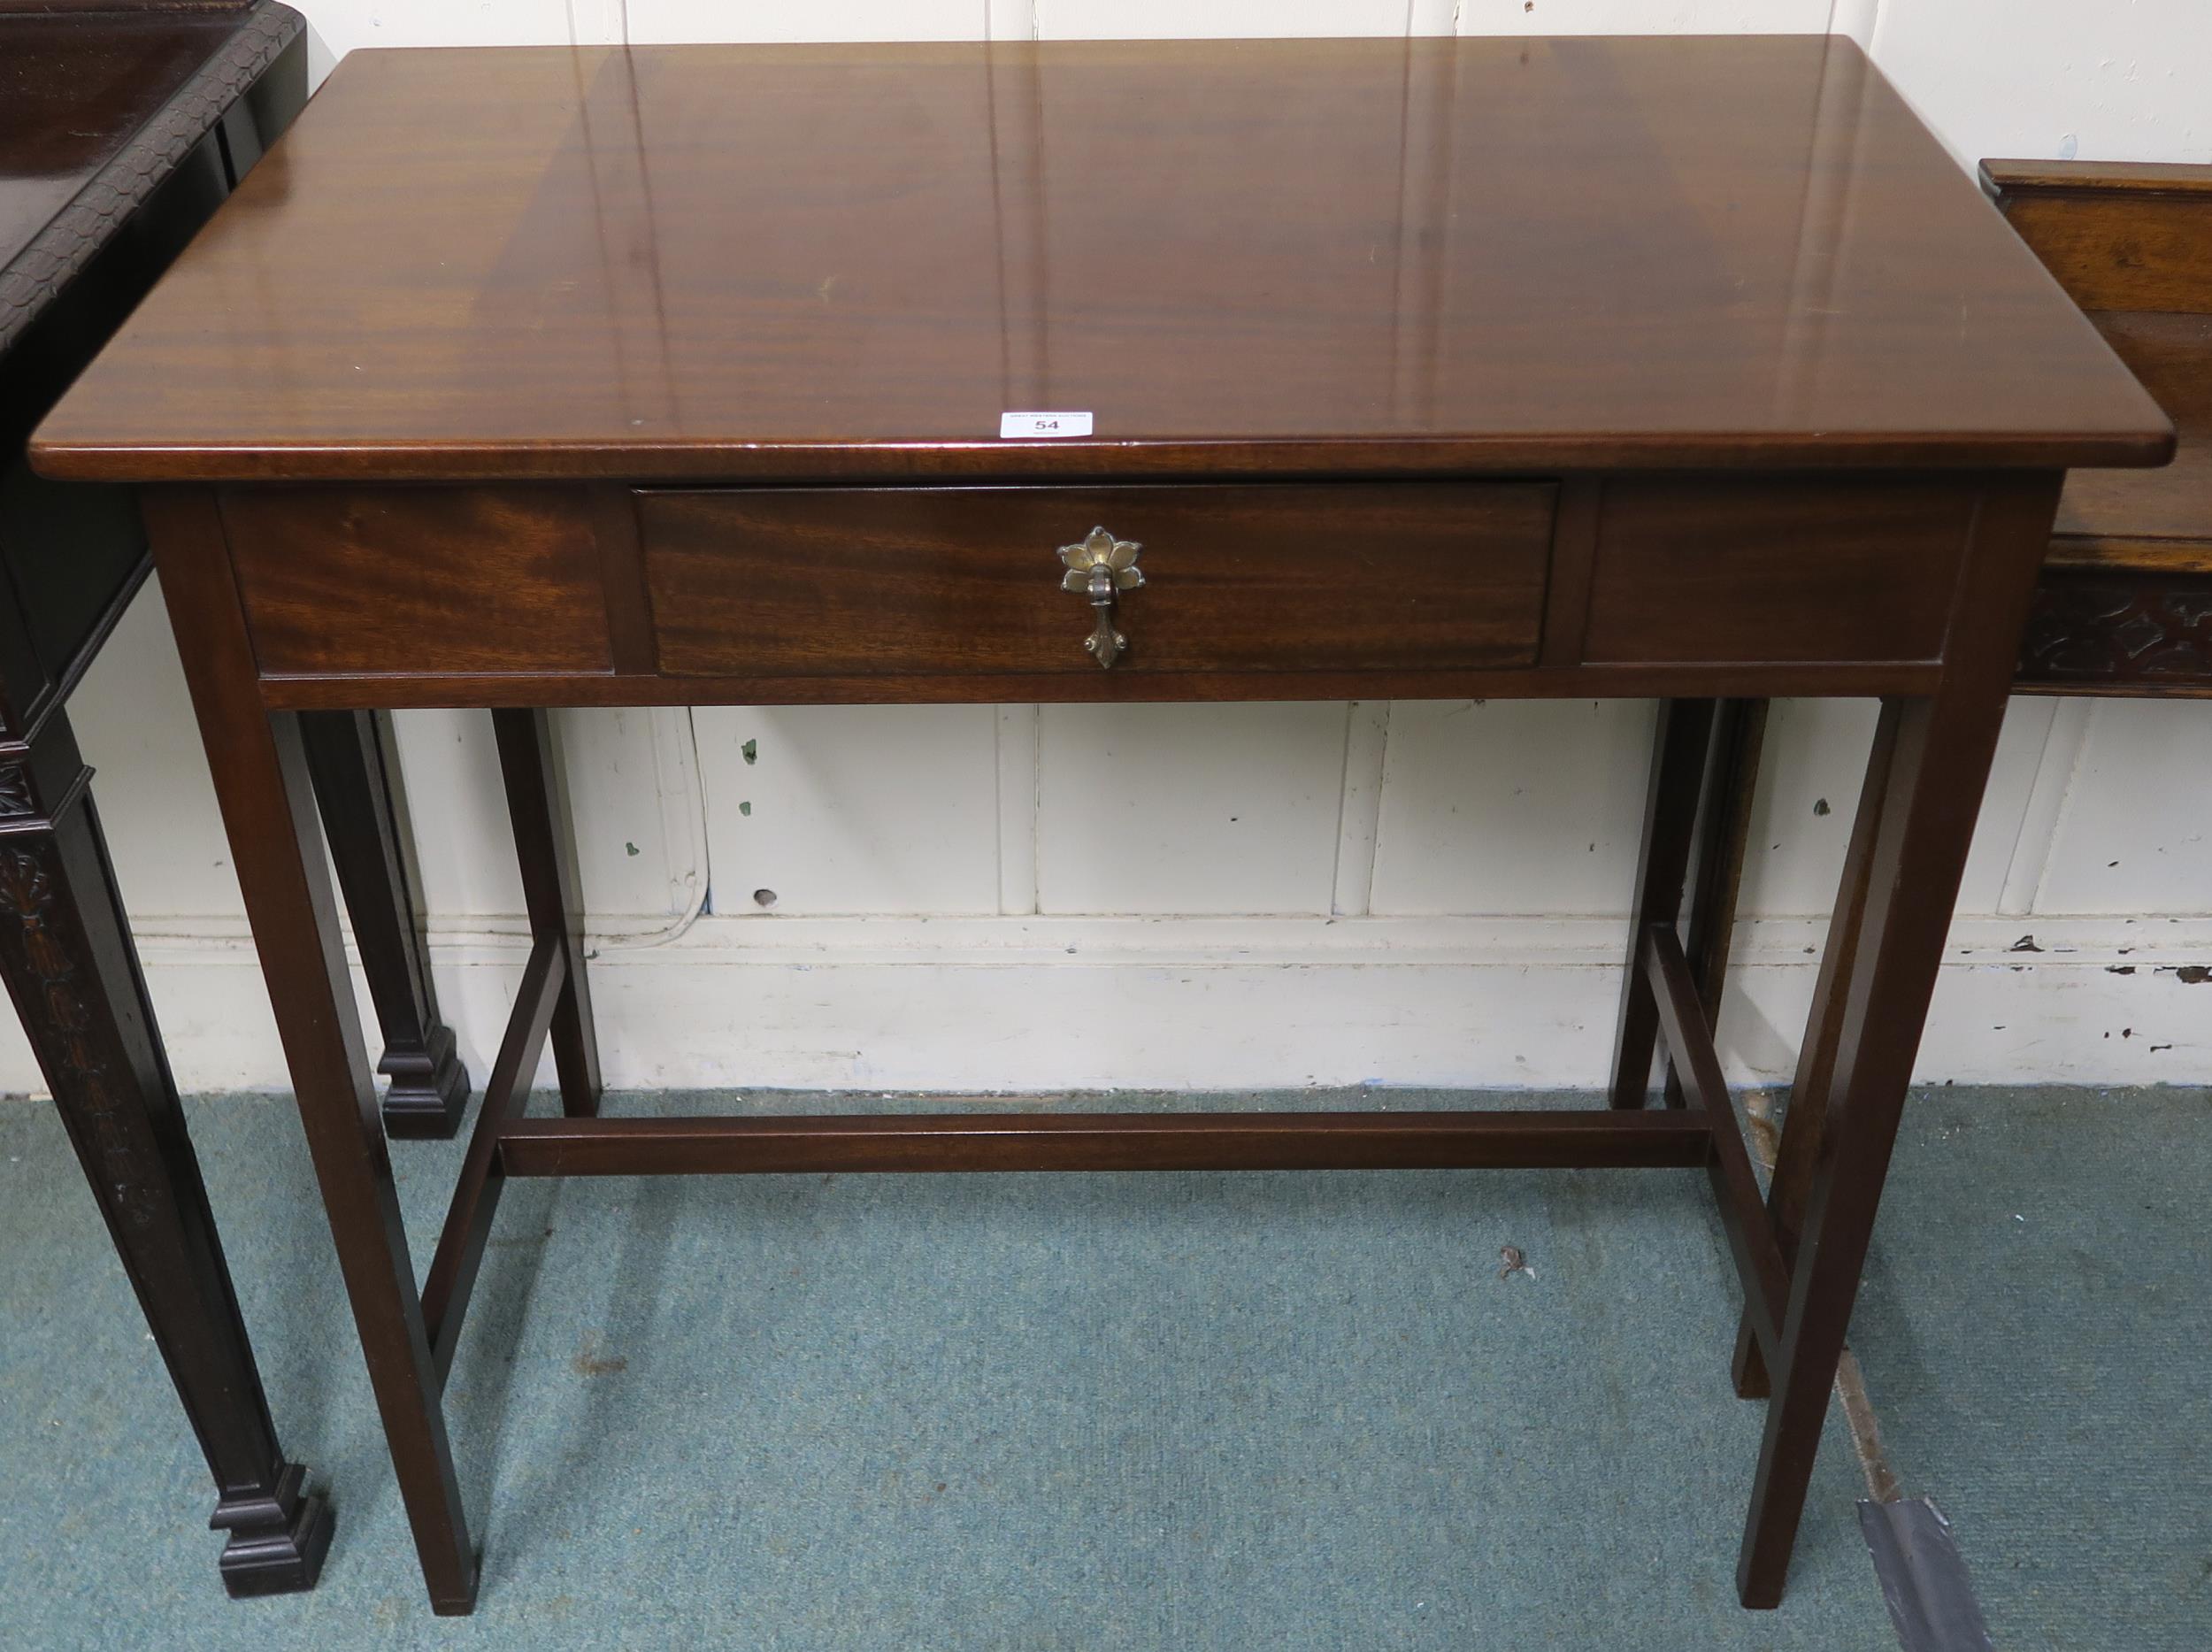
[{"x": 1261, "y": 1413}]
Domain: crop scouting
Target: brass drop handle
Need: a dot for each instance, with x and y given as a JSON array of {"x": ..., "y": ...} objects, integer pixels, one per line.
[{"x": 1099, "y": 566}]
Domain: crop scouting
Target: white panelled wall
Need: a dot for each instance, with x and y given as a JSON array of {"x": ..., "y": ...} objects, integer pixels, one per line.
[{"x": 1015, "y": 898}]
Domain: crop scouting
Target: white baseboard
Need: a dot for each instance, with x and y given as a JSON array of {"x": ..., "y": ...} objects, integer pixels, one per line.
[{"x": 1048, "y": 1003}]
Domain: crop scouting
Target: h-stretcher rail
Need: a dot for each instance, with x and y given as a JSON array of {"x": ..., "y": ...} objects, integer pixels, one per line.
[
  {"x": 1085, "y": 1141},
  {"x": 1704, "y": 1135},
  {"x": 1680, "y": 1117}
]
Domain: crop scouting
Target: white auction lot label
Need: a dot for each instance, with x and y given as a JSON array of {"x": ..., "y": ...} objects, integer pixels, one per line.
[{"x": 1045, "y": 426}]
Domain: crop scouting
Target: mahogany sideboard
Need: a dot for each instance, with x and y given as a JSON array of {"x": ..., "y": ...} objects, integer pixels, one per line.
[
  {"x": 1685, "y": 368},
  {"x": 122, "y": 128}
]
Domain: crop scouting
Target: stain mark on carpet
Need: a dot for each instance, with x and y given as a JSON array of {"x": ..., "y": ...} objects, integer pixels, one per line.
[{"x": 590, "y": 1362}]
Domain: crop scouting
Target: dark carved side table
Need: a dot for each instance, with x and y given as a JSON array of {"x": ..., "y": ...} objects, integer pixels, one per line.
[{"x": 120, "y": 132}]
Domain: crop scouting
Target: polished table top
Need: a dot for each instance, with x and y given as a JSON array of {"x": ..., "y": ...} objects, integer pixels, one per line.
[{"x": 1239, "y": 257}]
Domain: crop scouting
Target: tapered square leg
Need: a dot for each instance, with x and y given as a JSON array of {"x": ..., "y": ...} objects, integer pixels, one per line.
[
  {"x": 259, "y": 765},
  {"x": 1924, "y": 788},
  {"x": 1724, "y": 844},
  {"x": 1917, "y": 855},
  {"x": 1684, "y": 742},
  {"x": 1808, "y": 1114},
  {"x": 350, "y": 755},
  {"x": 545, "y": 847}
]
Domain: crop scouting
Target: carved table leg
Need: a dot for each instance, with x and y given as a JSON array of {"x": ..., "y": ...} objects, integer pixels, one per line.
[
  {"x": 350, "y": 755},
  {"x": 261, "y": 781},
  {"x": 537, "y": 801},
  {"x": 65, "y": 951}
]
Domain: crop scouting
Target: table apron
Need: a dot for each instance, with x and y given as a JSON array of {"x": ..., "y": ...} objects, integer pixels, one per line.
[{"x": 1564, "y": 587}]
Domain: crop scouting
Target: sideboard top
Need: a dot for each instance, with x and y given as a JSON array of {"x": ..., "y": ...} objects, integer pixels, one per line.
[{"x": 1256, "y": 258}]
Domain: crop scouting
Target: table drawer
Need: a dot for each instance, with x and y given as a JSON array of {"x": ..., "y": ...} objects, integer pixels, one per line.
[{"x": 967, "y": 581}]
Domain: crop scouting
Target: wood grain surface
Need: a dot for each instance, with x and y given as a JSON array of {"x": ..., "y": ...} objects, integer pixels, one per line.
[
  {"x": 959, "y": 581},
  {"x": 1241, "y": 257}
]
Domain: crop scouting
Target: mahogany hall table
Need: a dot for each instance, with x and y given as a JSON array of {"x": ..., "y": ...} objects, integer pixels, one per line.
[{"x": 1684, "y": 368}]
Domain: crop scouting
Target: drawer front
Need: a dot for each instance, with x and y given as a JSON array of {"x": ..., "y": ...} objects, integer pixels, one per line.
[
  {"x": 1798, "y": 571},
  {"x": 412, "y": 581},
  {"x": 967, "y": 581}
]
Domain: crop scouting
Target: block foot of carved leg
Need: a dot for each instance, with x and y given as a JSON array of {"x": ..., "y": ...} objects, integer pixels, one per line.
[
  {"x": 429, "y": 1089},
  {"x": 277, "y": 1542}
]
